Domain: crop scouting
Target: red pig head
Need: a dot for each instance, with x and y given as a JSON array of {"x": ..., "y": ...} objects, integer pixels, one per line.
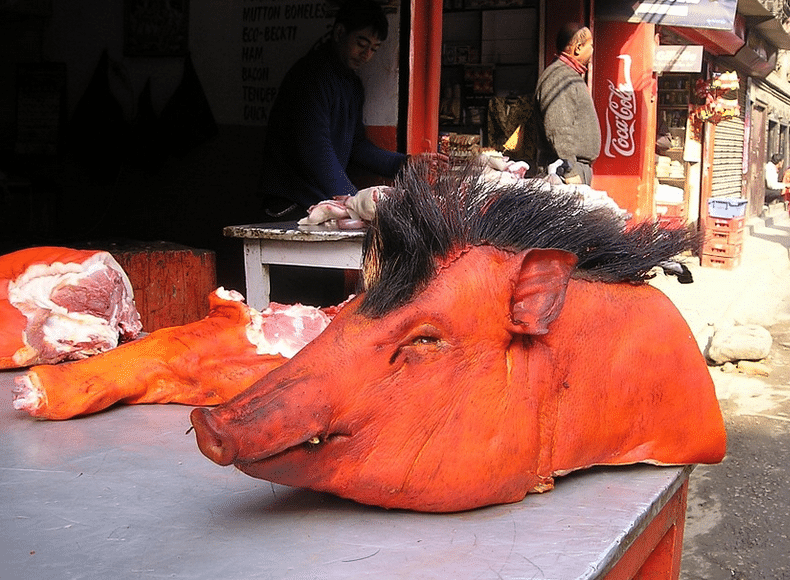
[{"x": 484, "y": 370}]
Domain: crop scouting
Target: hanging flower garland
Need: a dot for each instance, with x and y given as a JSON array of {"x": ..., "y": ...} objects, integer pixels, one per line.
[{"x": 719, "y": 97}]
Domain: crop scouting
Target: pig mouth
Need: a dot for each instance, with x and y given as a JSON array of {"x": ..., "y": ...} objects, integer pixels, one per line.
[
  {"x": 297, "y": 454},
  {"x": 221, "y": 448}
]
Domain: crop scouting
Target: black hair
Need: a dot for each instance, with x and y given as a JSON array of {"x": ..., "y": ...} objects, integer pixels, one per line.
[
  {"x": 358, "y": 14},
  {"x": 776, "y": 158},
  {"x": 566, "y": 35},
  {"x": 428, "y": 216}
]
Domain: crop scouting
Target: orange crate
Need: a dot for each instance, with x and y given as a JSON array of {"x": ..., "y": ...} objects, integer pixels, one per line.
[
  {"x": 716, "y": 236},
  {"x": 720, "y": 262},
  {"x": 722, "y": 250},
  {"x": 670, "y": 209},
  {"x": 671, "y": 222},
  {"x": 726, "y": 224}
]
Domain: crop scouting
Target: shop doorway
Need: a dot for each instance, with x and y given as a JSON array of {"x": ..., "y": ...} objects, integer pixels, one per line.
[
  {"x": 755, "y": 187},
  {"x": 489, "y": 69}
]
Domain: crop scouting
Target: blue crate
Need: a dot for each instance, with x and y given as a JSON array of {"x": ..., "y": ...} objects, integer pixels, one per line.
[{"x": 727, "y": 207}]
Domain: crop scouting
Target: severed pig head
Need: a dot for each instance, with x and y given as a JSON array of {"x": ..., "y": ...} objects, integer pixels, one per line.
[{"x": 506, "y": 337}]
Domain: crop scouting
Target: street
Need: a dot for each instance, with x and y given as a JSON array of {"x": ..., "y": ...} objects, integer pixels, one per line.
[{"x": 738, "y": 516}]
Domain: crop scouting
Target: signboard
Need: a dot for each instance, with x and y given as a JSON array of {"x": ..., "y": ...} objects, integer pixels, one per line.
[
  {"x": 273, "y": 36},
  {"x": 677, "y": 58},
  {"x": 622, "y": 89},
  {"x": 713, "y": 14}
]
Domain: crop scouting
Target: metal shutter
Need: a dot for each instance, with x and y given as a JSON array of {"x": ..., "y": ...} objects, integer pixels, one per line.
[{"x": 727, "y": 172}]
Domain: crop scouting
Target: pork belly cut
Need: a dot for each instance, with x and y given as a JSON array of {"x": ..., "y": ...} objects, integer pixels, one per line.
[{"x": 60, "y": 304}]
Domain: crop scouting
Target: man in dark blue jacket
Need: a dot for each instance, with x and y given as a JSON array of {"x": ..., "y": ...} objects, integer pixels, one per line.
[{"x": 315, "y": 127}]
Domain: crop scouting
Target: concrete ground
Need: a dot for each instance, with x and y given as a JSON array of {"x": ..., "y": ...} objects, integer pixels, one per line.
[{"x": 738, "y": 517}]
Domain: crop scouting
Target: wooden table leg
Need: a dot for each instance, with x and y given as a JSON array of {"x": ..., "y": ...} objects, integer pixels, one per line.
[{"x": 256, "y": 274}]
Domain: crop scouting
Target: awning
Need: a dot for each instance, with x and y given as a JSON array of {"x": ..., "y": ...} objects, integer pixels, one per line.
[
  {"x": 755, "y": 63},
  {"x": 758, "y": 17},
  {"x": 709, "y": 14}
]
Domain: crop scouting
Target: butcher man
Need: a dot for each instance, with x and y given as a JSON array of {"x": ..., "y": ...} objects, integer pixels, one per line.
[{"x": 315, "y": 129}]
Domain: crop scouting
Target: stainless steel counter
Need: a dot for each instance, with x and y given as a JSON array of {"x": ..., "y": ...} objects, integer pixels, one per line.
[{"x": 126, "y": 494}]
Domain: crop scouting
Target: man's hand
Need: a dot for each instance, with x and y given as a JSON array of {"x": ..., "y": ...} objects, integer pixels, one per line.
[{"x": 573, "y": 179}]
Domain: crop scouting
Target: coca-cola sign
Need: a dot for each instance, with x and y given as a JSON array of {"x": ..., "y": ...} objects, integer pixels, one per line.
[{"x": 621, "y": 115}]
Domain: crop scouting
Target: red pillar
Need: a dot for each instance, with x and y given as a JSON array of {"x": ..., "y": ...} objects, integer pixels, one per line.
[
  {"x": 425, "y": 53},
  {"x": 623, "y": 62}
]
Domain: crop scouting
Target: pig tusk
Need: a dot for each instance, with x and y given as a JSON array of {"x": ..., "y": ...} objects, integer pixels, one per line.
[{"x": 316, "y": 440}]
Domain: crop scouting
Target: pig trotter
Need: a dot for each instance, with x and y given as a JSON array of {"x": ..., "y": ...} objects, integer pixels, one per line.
[
  {"x": 210, "y": 441},
  {"x": 28, "y": 395}
]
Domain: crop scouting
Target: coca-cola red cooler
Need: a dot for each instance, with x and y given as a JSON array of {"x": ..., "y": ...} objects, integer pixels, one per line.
[{"x": 624, "y": 92}]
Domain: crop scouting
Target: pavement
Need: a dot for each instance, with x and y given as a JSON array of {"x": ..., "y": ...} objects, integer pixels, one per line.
[
  {"x": 755, "y": 292},
  {"x": 737, "y": 510}
]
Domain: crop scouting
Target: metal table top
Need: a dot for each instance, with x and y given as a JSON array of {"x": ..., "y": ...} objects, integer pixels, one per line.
[{"x": 126, "y": 494}]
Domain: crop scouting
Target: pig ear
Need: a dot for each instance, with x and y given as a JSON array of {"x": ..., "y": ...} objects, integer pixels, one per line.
[{"x": 539, "y": 286}]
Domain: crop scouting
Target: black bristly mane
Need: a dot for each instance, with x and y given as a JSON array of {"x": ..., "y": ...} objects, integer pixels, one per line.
[{"x": 427, "y": 216}]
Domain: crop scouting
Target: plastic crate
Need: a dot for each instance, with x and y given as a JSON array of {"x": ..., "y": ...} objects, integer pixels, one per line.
[
  {"x": 720, "y": 262},
  {"x": 716, "y": 236},
  {"x": 725, "y": 224},
  {"x": 727, "y": 207},
  {"x": 671, "y": 223},
  {"x": 670, "y": 209},
  {"x": 722, "y": 250}
]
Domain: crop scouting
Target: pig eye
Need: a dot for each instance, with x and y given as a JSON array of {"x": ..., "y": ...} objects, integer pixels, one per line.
[{"x": 425, "y": 335}]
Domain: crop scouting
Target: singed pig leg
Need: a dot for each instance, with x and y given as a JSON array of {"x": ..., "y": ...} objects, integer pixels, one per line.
[{"x": 202, "y": 363}]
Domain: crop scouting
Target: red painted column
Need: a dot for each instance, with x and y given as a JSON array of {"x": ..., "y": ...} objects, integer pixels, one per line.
[
  {"x": 624, "y": 91},
  {"x": 422, "y": 131}
]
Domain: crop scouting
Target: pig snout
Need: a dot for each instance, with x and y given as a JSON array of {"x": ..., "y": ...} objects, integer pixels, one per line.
[{"x": 213, "y": 443}]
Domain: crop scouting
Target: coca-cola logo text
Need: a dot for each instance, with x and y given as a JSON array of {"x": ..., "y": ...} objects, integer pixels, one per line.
[{"x": 620, "y": 121}]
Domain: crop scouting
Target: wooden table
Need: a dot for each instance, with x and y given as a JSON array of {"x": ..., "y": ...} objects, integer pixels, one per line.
[
  {"x": 285, "y": 243},
  {"x": 126, "y": 494}
]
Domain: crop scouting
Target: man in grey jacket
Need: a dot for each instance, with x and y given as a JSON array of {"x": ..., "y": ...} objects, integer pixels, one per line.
[{"x": 569, "y": 125}]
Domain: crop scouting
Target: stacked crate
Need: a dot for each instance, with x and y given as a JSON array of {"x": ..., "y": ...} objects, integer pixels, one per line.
[
  {"x": 671, "y": 215},
  {"x": 724, "y": 232}
]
